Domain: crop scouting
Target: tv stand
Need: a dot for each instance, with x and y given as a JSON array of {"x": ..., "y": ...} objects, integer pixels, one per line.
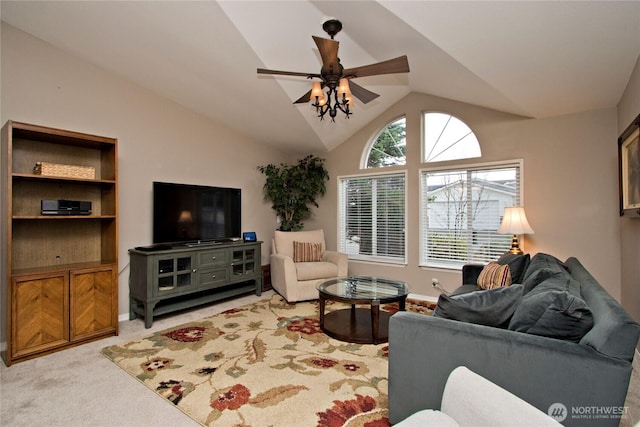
[{"x": 167, "y": 280}]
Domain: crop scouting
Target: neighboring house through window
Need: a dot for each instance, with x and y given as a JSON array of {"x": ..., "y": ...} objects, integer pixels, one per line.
[{"x": 461, "y": 210}]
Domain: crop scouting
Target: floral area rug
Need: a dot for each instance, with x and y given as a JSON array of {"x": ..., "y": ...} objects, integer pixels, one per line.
[{"x": 264, "y": 364}]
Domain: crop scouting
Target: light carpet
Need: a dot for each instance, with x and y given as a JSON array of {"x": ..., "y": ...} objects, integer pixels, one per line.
[{"x": 266, "y": 363}]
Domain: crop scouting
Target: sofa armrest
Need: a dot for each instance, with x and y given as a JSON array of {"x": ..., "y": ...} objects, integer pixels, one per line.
[
  {"x": 283, "y": 271},
  {"x": 424, "y": 350},
  {"x": 338, "y": 258},
  {"x": 470, "y": 273}
]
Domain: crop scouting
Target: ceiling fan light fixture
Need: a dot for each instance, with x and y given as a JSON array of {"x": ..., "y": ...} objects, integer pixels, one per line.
[
  {"x": 336, "y": 100},
  {"x": 336, "y": 80}
]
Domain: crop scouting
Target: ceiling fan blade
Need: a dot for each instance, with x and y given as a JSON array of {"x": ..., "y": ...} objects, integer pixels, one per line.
[
  {"x": 304, "y": 98},
  {"x": 364, "y": 95},
  {"x": 396, "y": 65},
  {"x": 328, "y": 50},
  {"x": 287, "y": 73}
]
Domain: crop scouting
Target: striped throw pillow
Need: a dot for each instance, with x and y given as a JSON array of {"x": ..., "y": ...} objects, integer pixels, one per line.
[
  {"x": 494, "y": 275},
  {"x": 307, "y": 252}
]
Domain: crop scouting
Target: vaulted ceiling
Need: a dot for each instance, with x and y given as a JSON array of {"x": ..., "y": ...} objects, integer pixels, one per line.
[{"x": 536, "y": 59}]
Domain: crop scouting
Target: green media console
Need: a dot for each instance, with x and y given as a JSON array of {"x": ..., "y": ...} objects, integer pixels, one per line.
[{"x": 167, "y": 280}]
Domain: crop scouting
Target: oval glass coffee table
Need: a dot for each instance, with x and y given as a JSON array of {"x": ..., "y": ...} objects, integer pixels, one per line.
[{"x": 356, "y": 324}]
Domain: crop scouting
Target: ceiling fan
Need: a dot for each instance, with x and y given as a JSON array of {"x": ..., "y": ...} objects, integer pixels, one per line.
[{"x": 337, "y": 79}]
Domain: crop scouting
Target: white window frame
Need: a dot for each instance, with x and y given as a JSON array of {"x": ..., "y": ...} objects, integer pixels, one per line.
[
  {"x": 517, "y": 163},
  {"x": 341, "y": 238}
]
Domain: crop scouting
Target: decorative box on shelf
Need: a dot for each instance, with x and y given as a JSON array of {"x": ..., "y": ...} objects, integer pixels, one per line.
[{"x": 66, "y": 171}]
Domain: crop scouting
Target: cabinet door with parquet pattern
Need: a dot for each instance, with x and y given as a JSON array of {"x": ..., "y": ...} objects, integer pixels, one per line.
[
  {"x": 39, "y": 315},
  {"x": 94, "y": 302}
]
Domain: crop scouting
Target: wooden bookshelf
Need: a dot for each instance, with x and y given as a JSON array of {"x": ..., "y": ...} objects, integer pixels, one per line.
[{"x": 60, "y": 284}]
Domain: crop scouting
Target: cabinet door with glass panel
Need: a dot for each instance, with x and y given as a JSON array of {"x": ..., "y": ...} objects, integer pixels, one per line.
[
  {"x": 244, "y": 261},
  {"x": 174, "y": 273}
]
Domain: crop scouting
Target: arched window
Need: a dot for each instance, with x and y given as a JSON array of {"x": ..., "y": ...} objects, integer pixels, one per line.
[
  {"x": 446, "y": 137},
  {"x": 389, "y": 148}
]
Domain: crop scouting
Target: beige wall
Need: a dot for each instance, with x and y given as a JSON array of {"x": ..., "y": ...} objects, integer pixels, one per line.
[
  {"x": 628, "y": 109},
  {"x": 158, "y": 139},
  {"x": 570, "y": 184}
]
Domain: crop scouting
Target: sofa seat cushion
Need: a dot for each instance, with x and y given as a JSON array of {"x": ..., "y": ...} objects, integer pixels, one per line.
[
  {"x": 493, "y": 307},
  {"x": 316, "y": 270},
  {"x": 554, "y": 309}
]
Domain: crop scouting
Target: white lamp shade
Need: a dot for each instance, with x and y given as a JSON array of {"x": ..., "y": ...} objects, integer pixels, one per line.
[{"x": 515, "y": 222}]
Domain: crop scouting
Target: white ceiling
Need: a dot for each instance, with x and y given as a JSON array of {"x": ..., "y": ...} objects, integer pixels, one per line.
[{"x": 536, "y": 59}]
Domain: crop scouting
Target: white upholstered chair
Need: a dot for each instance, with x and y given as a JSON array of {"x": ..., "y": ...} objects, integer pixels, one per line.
[
  {"x": 296, "y": 281},
  {"x": 470, "y": 400}
]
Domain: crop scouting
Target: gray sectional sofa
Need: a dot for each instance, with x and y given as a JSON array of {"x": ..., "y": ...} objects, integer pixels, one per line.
[{"x": 580, "y": 370}]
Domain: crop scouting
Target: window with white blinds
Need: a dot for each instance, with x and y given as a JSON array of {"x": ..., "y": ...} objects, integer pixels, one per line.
[
  {"x": 371, "y": 217},
  {"x": 461, "y": 210}
]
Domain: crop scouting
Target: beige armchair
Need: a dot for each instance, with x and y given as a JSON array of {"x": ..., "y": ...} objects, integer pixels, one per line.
[{"x": 297, "y": 280}]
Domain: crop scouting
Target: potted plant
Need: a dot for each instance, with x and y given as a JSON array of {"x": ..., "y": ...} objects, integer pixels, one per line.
[{"x": 292, "y": 189}]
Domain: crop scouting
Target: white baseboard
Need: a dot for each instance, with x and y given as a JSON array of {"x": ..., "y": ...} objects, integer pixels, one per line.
[{"x": 423, "y": 298}]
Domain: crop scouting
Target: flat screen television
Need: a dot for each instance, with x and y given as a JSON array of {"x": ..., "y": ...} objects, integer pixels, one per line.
[{"x": 195, "y": 214}]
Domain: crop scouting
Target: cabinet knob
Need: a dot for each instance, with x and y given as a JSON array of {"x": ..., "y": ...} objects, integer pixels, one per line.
[
  {"x": 213, "y": 258},
  {"x": 213, "y": 276},
  {"x": 194, "y": 270}
]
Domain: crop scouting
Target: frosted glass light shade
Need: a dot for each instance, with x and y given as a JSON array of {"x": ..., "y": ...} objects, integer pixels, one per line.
[{"x": 317, "y": 93}]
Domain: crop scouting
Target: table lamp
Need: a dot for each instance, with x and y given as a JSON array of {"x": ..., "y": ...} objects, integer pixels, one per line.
[{"x": 515, "y": 222}]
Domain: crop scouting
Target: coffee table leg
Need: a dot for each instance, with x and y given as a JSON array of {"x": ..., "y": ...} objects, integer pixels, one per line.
[
  {"x": 375, "y": 318},
  {"x": 402, "y": 304},
  {"x": 322, "y": 304}
]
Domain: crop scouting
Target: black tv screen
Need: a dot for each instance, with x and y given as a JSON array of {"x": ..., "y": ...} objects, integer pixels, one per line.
[{"x": 185, "y": 213}]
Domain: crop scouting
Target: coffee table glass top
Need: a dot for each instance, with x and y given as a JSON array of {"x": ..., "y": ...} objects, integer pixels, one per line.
[{"x": 363, "y": 288}]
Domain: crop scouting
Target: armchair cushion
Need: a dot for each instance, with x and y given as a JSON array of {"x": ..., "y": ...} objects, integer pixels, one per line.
[
  {"x": 307, "y": 252},
  {"x": 316, "y": 270}
]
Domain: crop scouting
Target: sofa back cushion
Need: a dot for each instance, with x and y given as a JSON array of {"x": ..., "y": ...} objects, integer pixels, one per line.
[
  {"x": 542, "y": 267},
  {"x": 283, "y": 240},
  {"x": 517, "y": 263},
  {"x": 554, "y": 309},
  {"x": 492, "y": 307}
]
